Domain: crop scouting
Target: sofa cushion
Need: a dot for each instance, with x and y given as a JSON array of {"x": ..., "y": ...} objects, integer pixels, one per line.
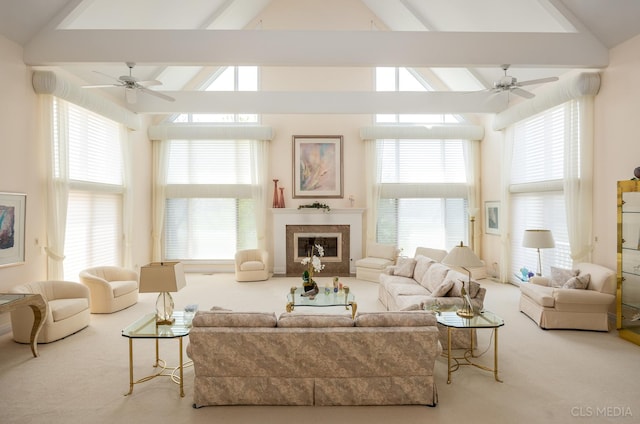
[
  {"x": 422, "y": 265},
  {"x": 443, "y": 288},
  {"x": 251, "y": 266},
  {"x": 374, "y": 263},
  {"x": 407, "y": 289},
  {"x": 123, "y": 287},
  {"x": 542, "y": 295},
  {"x": 220, "y": 318},
  {"x": 404, "y": 267},
  {"x": 313, "y": 320},
  {"x": 395, "y": 319},
  {"x": 64, "y": 308},
  {"x": 434, "y": 276},
  {"x": 385, "y": 251},
  {"x": 580, "y": 282},
  {"x": 436, "y": 254},
  {"x": 456, "y": 290},
  {"x": 559, "y": 276}
]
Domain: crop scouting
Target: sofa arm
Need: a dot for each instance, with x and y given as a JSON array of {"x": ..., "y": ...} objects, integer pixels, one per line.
[{"x": 541, "y": 281}]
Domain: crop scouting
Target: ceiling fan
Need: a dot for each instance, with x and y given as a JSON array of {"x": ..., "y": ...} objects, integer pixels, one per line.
[
  {"x": 510, "y": 84},
  {"x": 132, "y": 85}
]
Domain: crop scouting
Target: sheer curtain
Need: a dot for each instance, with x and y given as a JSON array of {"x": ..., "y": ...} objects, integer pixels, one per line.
[
  {"x": 159, "y": 196},
  {"x": 578, "y": 179},
  {"x": 127, "y": 199},
  {"x": 259, "y": 178},
  {"x": 56, "y": 137}
]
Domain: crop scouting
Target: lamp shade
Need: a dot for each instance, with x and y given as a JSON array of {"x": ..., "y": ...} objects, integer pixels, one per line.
[
  {"x": 162, "y": 277},
  {"x": 462, "y": 256},
  {"x": 541, "y": 239}
]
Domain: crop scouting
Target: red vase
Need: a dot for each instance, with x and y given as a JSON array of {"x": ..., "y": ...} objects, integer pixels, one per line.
[{"x": 281, "y": 202}]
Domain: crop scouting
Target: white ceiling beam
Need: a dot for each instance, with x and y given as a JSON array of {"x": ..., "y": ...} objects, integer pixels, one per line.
[
  {"x": 359, "y": 102},
  {"x": 317, "y": 48}
]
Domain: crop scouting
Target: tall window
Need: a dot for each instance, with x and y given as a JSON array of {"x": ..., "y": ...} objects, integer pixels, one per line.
[
  {"x": 210, "y": 208},
  {"x": 537, "y": 193},
  {"x": 94, "y": 161},
  {"x": 423, "y": 192}
]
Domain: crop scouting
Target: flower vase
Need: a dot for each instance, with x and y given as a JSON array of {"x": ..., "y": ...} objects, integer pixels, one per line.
[
  {"x": 307, "y": 279},
  {"x": 276, "y": 203},
  {"x": 281, "y": 201}
]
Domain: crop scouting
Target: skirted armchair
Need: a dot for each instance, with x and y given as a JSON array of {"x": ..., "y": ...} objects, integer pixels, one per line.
[
  {"x": 67, "y": 311},
  {"x": 112, "y": 288},
  {"x": 252, "y": 265}
]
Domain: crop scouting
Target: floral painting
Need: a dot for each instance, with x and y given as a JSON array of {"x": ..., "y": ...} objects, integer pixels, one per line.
[{"x": 317, "y": 166}]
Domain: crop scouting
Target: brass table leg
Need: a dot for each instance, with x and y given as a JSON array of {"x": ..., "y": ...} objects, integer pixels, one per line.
[
  {"x": 354, "y": 309},
  {"x": 181, "y": 371},
  {"x": 448, "y": 355},
  {"x": 495, "y": 355},
  {"x": 130, "y": 367}
]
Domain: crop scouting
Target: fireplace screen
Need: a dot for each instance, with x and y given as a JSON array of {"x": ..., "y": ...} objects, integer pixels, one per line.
[{"x": 331, "y": 243}]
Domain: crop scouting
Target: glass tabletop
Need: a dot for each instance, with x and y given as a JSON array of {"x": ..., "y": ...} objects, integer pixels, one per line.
[
  {"x": 12, "y": 297},
  {"x": 146, "y": 328},
  {"x": 484, "y": 319},
  {"x": 322, "y": 298}
]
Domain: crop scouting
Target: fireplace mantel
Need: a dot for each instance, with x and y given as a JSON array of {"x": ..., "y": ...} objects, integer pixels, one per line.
[{"x": 306, "y": 216}]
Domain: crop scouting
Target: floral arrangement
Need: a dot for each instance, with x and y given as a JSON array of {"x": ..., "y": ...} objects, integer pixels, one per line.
[
  {"x": 316, "y": 205},
  {"x": 313, "y": 261}
]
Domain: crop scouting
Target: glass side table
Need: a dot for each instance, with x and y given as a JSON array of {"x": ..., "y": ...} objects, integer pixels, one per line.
[
  {"x": 485, "y": 319},
  {"x": 146, "y": 328}
]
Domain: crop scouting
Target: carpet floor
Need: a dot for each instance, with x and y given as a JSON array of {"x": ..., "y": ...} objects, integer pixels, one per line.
[{"x": 558, "y": 376}]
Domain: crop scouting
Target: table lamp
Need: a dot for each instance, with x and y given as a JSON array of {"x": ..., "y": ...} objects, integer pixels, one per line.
[
  {"x": 162, "y": 277},
  {"x": 463, "y": 257},
  {"x": 538, "y": 239}
]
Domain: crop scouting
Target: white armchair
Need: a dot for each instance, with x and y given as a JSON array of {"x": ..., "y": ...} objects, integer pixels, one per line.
[
  {"x": 252, "y": 265},
  {"x": 67, "y": 311},
  {"x": 379, "y": 256},
  {"x": 112, "y": 288},
  {"x": 570, "y": 308}
]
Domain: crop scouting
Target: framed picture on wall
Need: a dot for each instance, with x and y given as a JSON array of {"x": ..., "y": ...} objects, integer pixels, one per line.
[
  {"x": 12, "y": 222},
  {"x": 492, "y": 217},
  {"x": 317, "y": 166}
]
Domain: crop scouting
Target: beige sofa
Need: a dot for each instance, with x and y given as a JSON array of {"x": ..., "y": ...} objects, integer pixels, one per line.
[
  {"x": 570, "y": 308},
  {"x": 416, "y": 283},
  {"x": 112, "y": 288},
  {"x": 380, "y": 358}
]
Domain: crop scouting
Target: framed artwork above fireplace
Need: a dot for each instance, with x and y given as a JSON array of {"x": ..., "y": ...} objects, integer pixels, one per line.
[{"x": 317, "y": 166}]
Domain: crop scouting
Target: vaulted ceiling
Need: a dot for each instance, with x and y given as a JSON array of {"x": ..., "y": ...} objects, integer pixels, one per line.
[{"x": 460, "y": 44}]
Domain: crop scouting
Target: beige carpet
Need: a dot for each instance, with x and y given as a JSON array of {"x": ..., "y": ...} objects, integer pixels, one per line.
[{"x": 549, "y": 376}]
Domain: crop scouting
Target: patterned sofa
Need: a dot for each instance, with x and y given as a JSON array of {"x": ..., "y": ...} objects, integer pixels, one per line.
[
  {"x": 415, "y": 283},
  {"x": 255, "y": 358}
]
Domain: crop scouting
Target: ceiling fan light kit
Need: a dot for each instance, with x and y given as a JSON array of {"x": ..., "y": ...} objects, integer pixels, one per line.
[{"x": 510, "y": 84}]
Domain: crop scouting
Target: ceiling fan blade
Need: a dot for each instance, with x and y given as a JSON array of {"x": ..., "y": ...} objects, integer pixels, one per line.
[
  {"x": 131, "y": 95},
  {"x": 538, "y": 81},
  {"x": 149, "y": 83},
  {"x": 102, "y": 86},
  {"x": 157, "y": 94},
  {"x": 523, "y": 93}
]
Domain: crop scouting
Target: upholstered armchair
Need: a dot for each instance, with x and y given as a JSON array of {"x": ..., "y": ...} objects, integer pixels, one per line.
[
  {"x": 567, "y": 303},
  {"x": 379, "y": 256},
  {"x": 252, "y": 265},
  {"x": 112, "y": 288},
  {"x": 67, "y": 311}
]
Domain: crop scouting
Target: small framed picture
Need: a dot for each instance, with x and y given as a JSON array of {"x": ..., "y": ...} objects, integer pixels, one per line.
[
  {"x": 492, "y": 217},
  {"x": 12, "y": 223}
]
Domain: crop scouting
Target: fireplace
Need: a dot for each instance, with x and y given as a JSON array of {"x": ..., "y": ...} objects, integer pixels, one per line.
[
  {"x": 333, "y": 238},
  {"x": 348, "y": 220}
]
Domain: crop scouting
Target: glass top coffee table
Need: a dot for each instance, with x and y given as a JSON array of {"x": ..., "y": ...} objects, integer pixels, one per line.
[
  {"x": 484, "y": 319},
  {"x": 323, "y": 298}
]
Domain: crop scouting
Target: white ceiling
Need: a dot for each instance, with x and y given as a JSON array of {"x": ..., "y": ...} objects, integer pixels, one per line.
[{"x": 462, "y": 42}]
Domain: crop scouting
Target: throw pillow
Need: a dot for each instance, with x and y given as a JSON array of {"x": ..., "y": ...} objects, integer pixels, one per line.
[
  {"x": 559, "y": 276},
  {"x": 472, "y": 287},
  {"x": 442, "y": 289},
  {"x": 405, "y": 267},
  {"x": 578, "y": 282}
]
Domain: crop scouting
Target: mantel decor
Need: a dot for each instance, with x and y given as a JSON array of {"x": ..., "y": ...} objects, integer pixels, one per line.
[
  {"x": 317, "y": 166},
  {"x": 12, "y": 224},
  {"x": 316, "y": 205}
]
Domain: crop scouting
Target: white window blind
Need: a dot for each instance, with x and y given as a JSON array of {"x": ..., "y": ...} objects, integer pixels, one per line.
[
  {"x": 423, "y": 193},
  {"x": 94, "y": 210},
  {"x": 537, "y": 197},
  {"x": 209, "y": 212}
]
